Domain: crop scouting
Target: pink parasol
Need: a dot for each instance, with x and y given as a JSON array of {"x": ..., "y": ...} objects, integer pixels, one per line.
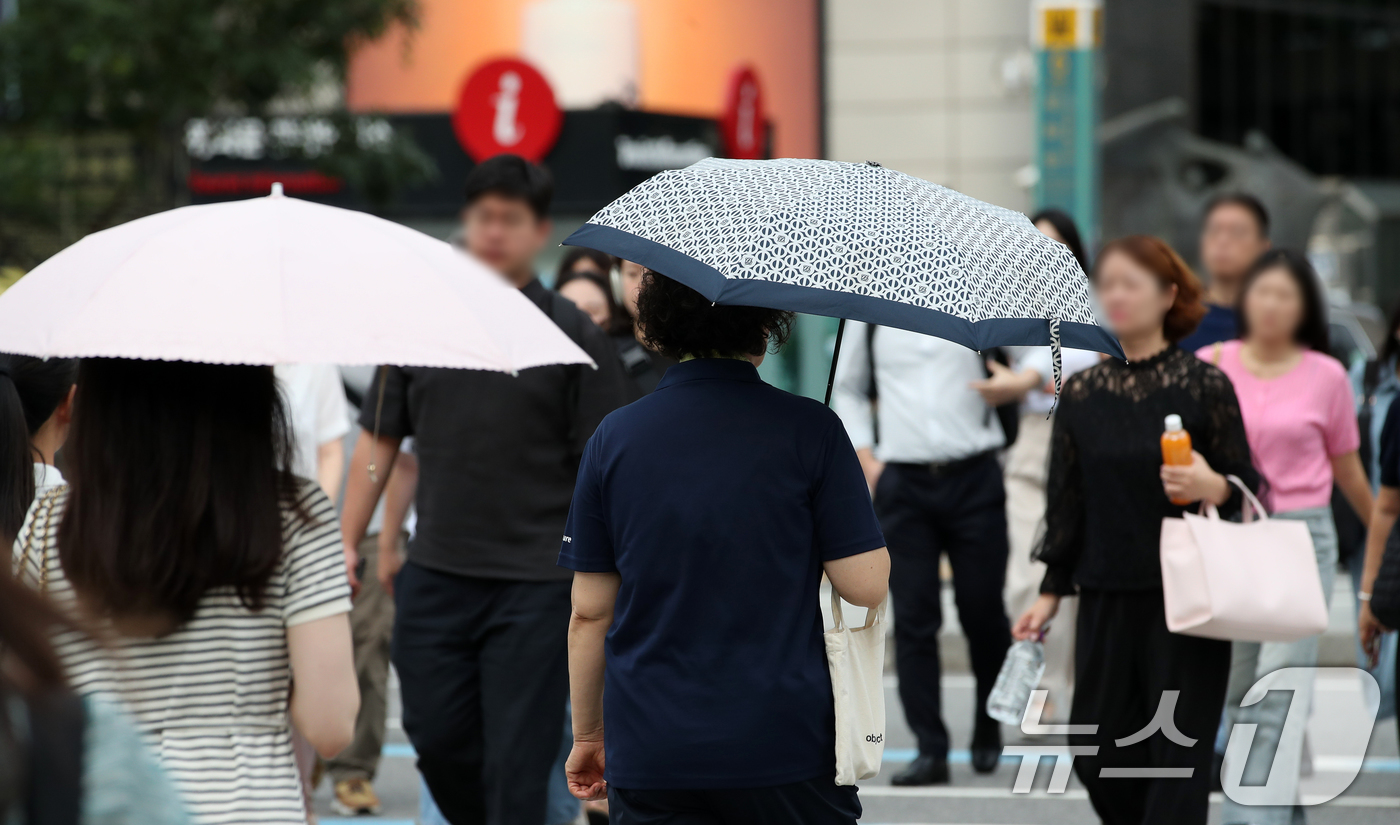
[{"x": 276, "y": 280}]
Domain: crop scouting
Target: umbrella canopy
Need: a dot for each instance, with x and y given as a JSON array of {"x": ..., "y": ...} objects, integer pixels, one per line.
[
  {"x": 276, "y": 280},
  {"x": 854, "y": 241}
]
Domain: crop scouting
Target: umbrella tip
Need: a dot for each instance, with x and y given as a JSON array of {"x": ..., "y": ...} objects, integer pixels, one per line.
[{"x": 276, "y": 190}]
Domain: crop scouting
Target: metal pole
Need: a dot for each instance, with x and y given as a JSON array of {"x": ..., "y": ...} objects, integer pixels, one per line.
[
  {"x": 1066, "y": 36},
  {"x": 835, "y": 354}
]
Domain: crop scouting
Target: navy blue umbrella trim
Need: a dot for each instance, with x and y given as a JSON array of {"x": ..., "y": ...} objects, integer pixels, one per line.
[{"x": 708, "y": 281}]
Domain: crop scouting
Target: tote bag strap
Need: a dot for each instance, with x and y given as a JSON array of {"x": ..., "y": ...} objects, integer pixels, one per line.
[
  {"x": 1251, "y": 510},
  {"x": 872, "y": 615}
]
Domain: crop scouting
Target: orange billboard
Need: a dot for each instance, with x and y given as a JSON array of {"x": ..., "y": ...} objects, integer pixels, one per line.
[{"x": 671, "y": 56}]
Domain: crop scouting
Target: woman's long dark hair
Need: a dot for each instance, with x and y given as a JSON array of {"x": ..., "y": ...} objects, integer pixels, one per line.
[
  {"x": 30, "y": 390},
  {"x": 178, "y": 477},
  {"x": 1312, "y": 330},
  {"x": 1064, "y": 224}
]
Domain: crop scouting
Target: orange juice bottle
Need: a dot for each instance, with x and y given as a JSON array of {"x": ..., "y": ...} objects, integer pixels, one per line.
[{"x": 1176, "y": 447}]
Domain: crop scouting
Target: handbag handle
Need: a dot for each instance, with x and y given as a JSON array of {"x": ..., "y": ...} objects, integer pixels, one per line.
[
  {"x": 872, "y": 614},
  {"x": 1251, "y": 509}
]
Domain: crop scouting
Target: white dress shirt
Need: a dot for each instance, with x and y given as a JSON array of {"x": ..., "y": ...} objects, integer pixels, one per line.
[
  {"x": 927, "y": 412},
  {"x": 317, "y": 409},
  {"x": 46, "y": 477},
  {"x": 1039, "y": 401}
]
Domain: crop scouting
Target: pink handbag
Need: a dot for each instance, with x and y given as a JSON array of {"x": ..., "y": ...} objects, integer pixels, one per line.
[{"x": 1256, "y": 581}]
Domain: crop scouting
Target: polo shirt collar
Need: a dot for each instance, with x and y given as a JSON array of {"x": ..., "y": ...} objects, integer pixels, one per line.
[{"x": 710, "y": 369}]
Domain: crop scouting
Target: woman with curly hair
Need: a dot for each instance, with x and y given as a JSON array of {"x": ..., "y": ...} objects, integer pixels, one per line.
[{"x": 704, "y": 517}]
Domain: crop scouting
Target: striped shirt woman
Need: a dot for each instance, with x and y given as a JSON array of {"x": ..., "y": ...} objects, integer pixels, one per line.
[
  {"x": 209, "y": 576},
  {"x": 210, "y": 698}
]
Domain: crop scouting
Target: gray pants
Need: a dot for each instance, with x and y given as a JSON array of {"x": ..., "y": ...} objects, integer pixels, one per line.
[
  {"x": 371, "y": 627},
  {"x": 1254, "y": 660}
]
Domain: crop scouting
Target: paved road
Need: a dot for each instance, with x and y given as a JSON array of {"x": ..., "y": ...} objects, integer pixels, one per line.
[{"x": 972, "y": 799}]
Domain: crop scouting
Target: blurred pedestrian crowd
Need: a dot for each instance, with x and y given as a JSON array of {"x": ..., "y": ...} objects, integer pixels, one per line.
[{"x": 209, "y": 594}]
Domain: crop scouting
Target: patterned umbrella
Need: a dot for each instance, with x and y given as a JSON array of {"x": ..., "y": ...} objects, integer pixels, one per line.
[{"x": 853, "y": 240}]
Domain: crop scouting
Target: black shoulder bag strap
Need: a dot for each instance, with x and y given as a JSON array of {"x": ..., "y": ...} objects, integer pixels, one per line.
[
  {"x": 1370, "y": 379},
  {"x": 572, "y": 325},
  {"x": 56, "y": 726}
]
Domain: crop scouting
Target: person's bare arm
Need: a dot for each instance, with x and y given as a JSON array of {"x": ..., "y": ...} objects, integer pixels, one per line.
[
  {"x": 1383, "y": 515},
  {"x": 362, "y": 493},
  {"x": 862, "y": 579},
  {"x": 330, "y": 466},
  {"x": 325, "y": 693},
  {"x": 594, "y": 596},
  {"x": 1004, "y": 385},
  {"x": 398, "y": 497},
  {"x": 1351, "y": 478}
]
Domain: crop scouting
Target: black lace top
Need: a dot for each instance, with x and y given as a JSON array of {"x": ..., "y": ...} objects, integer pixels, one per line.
[{"x": 1103, "y": 521}]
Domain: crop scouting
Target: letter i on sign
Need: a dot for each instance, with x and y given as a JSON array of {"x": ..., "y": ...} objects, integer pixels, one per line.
[
  {"x": 506, "y": 105},
  {"x": 506, "y": 126}
]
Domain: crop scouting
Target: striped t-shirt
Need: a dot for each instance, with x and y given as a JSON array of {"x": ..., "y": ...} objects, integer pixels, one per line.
[{"x": 210, "y": 698}]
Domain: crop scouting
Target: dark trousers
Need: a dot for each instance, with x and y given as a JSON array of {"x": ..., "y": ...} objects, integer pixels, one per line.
[
  {"x": 960, "y": 512},
  {"x": 813, "y": 802},
  {"x": 484, "y": 672},
  {"x": 1125, "y": 658}
]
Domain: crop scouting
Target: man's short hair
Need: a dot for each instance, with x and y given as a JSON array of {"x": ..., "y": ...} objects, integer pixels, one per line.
[
  {"x": 1245, "y": 201},
  {"x": 513, "y": 177}
]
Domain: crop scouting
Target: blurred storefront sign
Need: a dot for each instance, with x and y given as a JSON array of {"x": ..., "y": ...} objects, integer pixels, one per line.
[
  {"x": 603, "y": 92},
  {"x": 1066, "y": 36},
  {"x": 743, "y": 119},
  {"x": 599, "y": 154},
  {"x": 506, "y": 105}
]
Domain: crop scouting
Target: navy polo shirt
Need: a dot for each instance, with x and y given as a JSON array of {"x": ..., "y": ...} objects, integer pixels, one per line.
[
  {"x": 717, "y": 498},
  {"x": 1219, "y": 324}
]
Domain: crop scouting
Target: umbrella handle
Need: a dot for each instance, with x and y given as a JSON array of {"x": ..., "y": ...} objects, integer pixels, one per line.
[
  {"x": 835, "y": 354},
  {"x": 373, "y": 466}
]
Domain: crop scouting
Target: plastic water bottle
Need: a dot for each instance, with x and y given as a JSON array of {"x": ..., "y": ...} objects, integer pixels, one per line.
[{"x": 1020, "y": 674}]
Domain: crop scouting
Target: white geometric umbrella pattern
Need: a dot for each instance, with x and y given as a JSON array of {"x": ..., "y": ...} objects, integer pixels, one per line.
[{"x": 856, "y": 241}]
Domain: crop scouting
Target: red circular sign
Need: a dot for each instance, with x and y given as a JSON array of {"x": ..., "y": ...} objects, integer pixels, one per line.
[
  {"x": 506, "y": 105},
  {"x": 743, "y": 124}
]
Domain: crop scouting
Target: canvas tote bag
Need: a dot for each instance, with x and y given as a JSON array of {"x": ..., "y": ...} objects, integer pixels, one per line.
[
  {"x": 1252, "y": 582},
  {"x": 856, "y": 657}
]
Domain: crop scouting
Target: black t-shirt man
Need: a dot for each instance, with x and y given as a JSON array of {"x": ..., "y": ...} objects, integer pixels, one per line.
[
  {"x": 481, "y": 611},
  {"x": 498, "y": 454}
]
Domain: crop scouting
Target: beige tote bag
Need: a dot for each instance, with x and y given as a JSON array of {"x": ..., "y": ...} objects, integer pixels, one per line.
[
  {"x": 856, "y": 657},
  {"x": 1250, "y": 582}
]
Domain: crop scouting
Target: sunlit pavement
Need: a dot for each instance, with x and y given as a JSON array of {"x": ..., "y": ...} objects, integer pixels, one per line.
[{"x": 974, "y": 799}]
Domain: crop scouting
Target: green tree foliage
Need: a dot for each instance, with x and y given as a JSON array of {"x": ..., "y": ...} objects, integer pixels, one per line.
[{"x": 74, "y": 73}]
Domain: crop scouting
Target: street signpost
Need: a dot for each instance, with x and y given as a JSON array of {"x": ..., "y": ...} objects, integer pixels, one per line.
[{"x": 1066, "y": 36}]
